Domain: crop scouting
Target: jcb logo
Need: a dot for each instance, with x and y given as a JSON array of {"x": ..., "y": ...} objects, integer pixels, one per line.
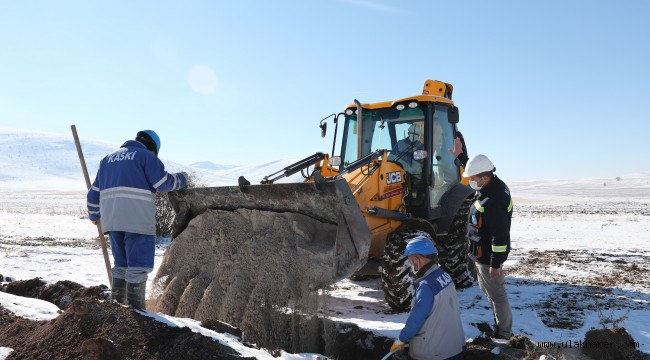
[{"x": 394, "y": 177}]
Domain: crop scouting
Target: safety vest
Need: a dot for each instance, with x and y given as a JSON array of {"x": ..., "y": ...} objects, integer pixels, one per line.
[{"x": 488, "y": 228}]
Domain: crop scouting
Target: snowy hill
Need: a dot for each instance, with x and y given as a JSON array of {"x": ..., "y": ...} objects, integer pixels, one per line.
[
  {"x": 44, "y": 161},
  {"x": 254, "y": 173},
  {"x": 38, "y": 160},
  {"x": 209, "y": 165},
  {"x": 626, "y": 187}
]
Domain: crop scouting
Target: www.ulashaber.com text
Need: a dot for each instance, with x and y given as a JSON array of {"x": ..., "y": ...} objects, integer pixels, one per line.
[{"x": 587, "y": 345}]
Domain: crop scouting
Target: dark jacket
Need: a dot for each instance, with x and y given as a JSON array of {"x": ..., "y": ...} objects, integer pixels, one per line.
[{"x": 489, "y": 224}]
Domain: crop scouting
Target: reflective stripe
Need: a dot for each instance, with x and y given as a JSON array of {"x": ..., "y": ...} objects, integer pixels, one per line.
[
  {"x": 478, "y": 206},
  {"x": 92, "y": 205},
  {"x": 496, "y": 248},
  {"x": 127, "y": 192},
  {"x": 95, "y": 188},
  {"x": 162, "y": 181},
  {"x": 126, "y": 189},
  {"x": 175, "y": 181}
]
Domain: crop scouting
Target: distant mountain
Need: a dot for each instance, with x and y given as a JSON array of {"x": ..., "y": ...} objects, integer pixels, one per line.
[
  {"x": 208, "y": 165},
  {"x": 39, "y": 160},
  {"x": 33, "y": 160},
  {"x": 253, "y": 173}
]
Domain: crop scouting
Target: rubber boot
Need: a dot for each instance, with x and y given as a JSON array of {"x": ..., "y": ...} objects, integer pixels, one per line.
[
  {"x": 135, "y": 294},
  {"x": 118, "y": 290}
]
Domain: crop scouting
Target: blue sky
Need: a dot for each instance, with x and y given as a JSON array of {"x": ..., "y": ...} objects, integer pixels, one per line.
[{"x": 553, "y": 89}]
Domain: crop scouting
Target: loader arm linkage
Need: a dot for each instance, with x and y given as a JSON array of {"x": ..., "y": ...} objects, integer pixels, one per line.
[
  {"x": 315, "y": 159},
  {"x": 360, "y": 162}
]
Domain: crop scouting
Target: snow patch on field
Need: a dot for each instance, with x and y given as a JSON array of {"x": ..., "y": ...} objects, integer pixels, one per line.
[{"x": 580, "y": 257}]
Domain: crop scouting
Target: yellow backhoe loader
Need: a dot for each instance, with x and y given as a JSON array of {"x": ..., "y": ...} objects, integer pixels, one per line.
[{"x": 394, "y": 178}]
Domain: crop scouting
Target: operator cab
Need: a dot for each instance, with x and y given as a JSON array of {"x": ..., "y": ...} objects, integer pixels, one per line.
[{"x": 417, "y": 132}]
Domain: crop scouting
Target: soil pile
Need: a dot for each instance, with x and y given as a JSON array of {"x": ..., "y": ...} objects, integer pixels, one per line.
[
  {"x": 61, "y": 293},
  {"x": 93, "y": 329},
  {"x": 611, "y": 344}
]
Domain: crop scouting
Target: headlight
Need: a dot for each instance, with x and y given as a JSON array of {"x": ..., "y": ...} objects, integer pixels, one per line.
[{"x": 334, "y": 161}]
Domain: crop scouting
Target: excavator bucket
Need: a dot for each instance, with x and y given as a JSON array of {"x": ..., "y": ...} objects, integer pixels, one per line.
[{"x": 241, "y": 248}]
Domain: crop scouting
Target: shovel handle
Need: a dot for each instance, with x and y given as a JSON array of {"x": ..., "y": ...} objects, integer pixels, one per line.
[{"x": 102, "y": 239}]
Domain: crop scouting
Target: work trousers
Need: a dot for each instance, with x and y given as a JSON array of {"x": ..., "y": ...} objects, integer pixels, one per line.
[
  {"x": 133, "y": 255},
  {"x": 495, "y": 291}
]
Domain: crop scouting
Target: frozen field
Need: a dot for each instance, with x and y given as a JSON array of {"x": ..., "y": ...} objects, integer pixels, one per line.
[{"x": 580, "y": 258}]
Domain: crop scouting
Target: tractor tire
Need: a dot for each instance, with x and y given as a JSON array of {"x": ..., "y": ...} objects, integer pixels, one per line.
[
  {"x": 396, "y": 274},
  {"x": 453, "y": 248}
]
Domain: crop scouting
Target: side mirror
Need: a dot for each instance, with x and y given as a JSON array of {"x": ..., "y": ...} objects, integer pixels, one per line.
[
  {"x": 323, "y": 129},
  {"x": 453, "y": 115}
]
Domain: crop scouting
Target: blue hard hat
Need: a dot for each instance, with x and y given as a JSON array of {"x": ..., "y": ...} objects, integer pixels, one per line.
[
  {"x": 154, "y": 137},
  {"x": 420, "y": 245}
]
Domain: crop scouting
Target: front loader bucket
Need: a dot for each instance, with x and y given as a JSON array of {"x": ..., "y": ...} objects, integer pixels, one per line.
[
  {"x": 329, "y": 202},
  {"x": 239, "y": 249}
]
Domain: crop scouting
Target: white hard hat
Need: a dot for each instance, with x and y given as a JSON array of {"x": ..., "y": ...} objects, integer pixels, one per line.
[
  {"x": 414, "y": 132},
  {"x": 478, "y": 164}
]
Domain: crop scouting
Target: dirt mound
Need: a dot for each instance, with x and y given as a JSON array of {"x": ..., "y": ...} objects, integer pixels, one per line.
[
  {"x": 61, "y": 293},
  {"x": 611, "y": 344},
  {"x": 484, "y": 348},
  {"x": 92, "y": 329},
  {"x": 520, "y": 347}
]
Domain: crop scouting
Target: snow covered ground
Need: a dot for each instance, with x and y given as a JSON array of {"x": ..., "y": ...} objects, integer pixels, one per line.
[
  {"x": 577, "y": 262},
  {"x": 581, "y": 257}
]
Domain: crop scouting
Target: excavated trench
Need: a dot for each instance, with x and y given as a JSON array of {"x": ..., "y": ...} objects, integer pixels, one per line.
[{"x": 312, "y": 334}]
